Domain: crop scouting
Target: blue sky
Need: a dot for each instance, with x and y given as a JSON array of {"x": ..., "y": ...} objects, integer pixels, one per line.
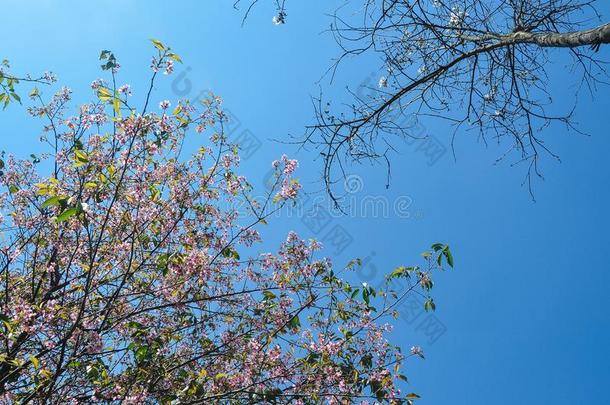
[{"x": 525, "y": 317}]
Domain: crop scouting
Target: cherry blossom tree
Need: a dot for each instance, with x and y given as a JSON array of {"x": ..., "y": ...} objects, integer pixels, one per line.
[{"x": 127, "y": 275}]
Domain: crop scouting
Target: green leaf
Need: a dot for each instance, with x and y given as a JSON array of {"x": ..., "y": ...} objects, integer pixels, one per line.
[
  {"x": 67, "y": 214},
  {"x": 163, "y": 263},
  {"x": 53, "y": 201},
  {"x": 81, "y": 156},
  {"x": 155, "y": 193},
  {"x": 158, "y": 44},
  {"x": 116, "y": 105},
  {"x": 365, "y": 296},
  {"x": 141, "y": 354},
  {"x": 438, "y": 246},
  {"x": 448, "y": 256},
  {"x": 269, "y": 295},
  {"x": 174, "y": 57},
  {"x": 430, "y": 305},
  {"x": 6, "y": 321},
  {"x": 228, "y": 252},
  {"x": 367, "y": 361},
  {"x": 109, "y": 57},
  {"x": 400, "y": 271},
  {"x": 295, "y": 322},
  {"x": 92, "y": 372},
  {"x": 104, "y": 94}
]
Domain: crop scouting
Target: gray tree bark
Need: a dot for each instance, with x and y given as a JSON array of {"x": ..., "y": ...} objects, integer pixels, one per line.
[{"x": 593, "y": 37}]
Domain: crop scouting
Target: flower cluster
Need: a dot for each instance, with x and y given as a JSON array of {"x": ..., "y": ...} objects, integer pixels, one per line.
[
  {"x": 457, "y": 16},
  {"x": 284, "y": 170}
]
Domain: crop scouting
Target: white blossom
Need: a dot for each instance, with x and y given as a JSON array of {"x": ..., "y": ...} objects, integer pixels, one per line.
[
  {"x": 457, "y": 16},
  {"x": 279, "y": 19}
]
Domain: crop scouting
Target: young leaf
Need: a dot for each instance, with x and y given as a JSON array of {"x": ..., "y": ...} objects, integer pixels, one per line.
[
  {"x": 104, "y": 94},
  {"x": 35, "y": 361},
  {"x": 116, "y": 105},
  {"x": 158, "y": 44},
  {"x": 81, "y": 156},
  {"x": 174, "y": 57}
]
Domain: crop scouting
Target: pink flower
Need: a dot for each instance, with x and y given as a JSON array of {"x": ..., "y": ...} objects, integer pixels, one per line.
[
  {"x": 97, "y": 83},
  {"x": 417, "y": 351},
  {"x": 125, "y": 89},
  {"x": 169, "y": 67}
]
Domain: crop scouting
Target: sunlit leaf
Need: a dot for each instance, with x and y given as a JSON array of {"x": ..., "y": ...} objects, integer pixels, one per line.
[
  {"x": 158, "y": 44},
  {"x": 67, "y": 214}
]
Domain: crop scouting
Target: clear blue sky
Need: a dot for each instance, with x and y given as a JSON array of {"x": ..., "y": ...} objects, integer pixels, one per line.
[{"x": 526, "y": 315}]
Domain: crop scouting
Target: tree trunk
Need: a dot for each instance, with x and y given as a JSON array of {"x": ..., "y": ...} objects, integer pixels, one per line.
[{"x": 593, "y": 37}]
